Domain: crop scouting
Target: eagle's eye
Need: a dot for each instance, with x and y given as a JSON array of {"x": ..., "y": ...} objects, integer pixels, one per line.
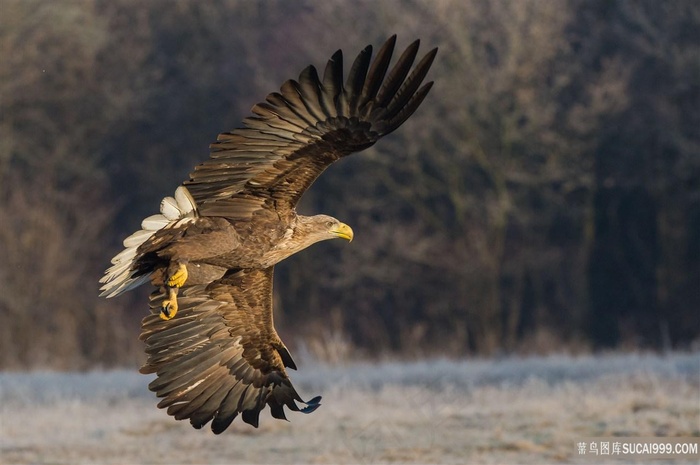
[{"x": 329, "y": 224}]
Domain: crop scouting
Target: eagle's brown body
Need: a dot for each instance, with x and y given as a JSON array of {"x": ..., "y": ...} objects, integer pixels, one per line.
[{"x": 212, "y": 249}]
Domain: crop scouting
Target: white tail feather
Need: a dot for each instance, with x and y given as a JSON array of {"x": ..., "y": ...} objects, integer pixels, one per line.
[
  {"x": 168, "y": 207},
  {"x": 185, "y": 202},
  {"x": 120, "y": 277},
  {"x": 138, "y": 238},
  {"x": 154, "y": 222}
]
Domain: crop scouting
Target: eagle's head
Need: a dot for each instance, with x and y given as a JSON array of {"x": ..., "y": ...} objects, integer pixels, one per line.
[{"x": 312, "y": 229}]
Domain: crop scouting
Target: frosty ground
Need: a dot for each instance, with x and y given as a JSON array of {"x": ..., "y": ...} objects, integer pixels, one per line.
[{"x": 512, "y": 410}]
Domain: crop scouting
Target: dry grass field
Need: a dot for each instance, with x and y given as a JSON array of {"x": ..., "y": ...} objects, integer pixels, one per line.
[{"x": 512, "y": 410}]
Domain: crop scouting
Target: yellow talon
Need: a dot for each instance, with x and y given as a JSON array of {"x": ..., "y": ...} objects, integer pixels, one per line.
[
  {"x": 169, "y": 305},
  {"x": 178, "y": 277},
  {"x": 176, "y": 280}
]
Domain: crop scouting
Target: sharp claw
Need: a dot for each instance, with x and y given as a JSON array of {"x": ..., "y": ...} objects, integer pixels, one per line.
[
  {"x": 169, "y": 306},
  {"x": 166, "y": 312}
]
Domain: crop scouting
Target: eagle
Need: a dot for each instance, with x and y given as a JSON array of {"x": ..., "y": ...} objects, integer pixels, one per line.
[{"x": 212, "y": 249}]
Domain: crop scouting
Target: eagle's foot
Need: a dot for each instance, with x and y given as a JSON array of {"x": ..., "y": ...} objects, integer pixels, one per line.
[
  {"x": 169, "y": 306},
  {"x": 178, "y": 277}
]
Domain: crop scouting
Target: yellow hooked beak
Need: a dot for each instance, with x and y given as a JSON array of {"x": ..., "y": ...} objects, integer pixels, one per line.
[{"x": 343, "y": 231}]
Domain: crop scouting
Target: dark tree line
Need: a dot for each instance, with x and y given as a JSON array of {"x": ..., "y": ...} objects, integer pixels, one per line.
[{"x": 545, "y": 197}]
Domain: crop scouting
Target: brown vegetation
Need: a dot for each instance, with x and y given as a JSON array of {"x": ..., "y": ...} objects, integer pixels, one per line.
[{"x": 545, "y": 196}]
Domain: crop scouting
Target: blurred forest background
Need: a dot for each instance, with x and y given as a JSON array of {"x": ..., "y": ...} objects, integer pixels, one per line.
[{"x": 545, "y": 197}]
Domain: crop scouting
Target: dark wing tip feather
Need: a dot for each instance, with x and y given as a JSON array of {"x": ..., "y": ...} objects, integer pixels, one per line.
[
  {"x": 411, "y": 84},
  {"x": 252, "y": 416},
  {"x": 406, "y": 111},
  {"x": 310, "y": 89},
  {"x": 220, "y": 424},
  {"x": 312, "y": 405},
  {"x": 398, "y": 73},
  {"x": 277, "y": 411},
  {"x": 356, "y": 78},
  {"x": 286, "y": 358},
  {"x": 377, "y": 71},
  {"x": 332, "y": 83}
]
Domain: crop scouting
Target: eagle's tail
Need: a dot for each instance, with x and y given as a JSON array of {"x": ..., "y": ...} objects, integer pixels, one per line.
[{"x": 122, "y": 275}]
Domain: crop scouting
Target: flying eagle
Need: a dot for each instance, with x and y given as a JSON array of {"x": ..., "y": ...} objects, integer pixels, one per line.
[{"x": 211, "y": 251}]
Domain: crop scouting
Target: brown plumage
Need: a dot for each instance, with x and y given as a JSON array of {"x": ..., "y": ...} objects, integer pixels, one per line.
[{"x": 211, "y": 251}]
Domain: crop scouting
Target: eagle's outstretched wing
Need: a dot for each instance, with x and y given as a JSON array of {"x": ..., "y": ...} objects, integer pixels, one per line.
[
  {"x": 298, "y": 132},
  {"x": 221, "y": 356}
]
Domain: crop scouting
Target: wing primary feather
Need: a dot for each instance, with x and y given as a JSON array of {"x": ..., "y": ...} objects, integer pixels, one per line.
[
  {"x": 377, "y": 71},
  {"x": 356, "y": 78},
  {"x": 411, "y": 84},
  {"x": 178, "y": 377},
  {"x": 310, "y": 90},
  {"x": 332, "y": 83},
  {"x": 397, "y": 74},
  {"x": 179, "y": 397},
  {"x": 198, "y": 396},
  {"x": 213, "y": 402},
  {"x": 228, "y": 410},
  {"x": 252, "y": 415},
  {"x": 206, "y": 412},
  {"x": 277, "y": 411},
  {"x": 245, "y": 397},
  {"x": 292, "y": 94},
  {"x": 341, "y": 98},
  {"x": 286, "y": 357},
  {"x": 408, "y": 110},
  {"x": 312, "y": 405}
]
